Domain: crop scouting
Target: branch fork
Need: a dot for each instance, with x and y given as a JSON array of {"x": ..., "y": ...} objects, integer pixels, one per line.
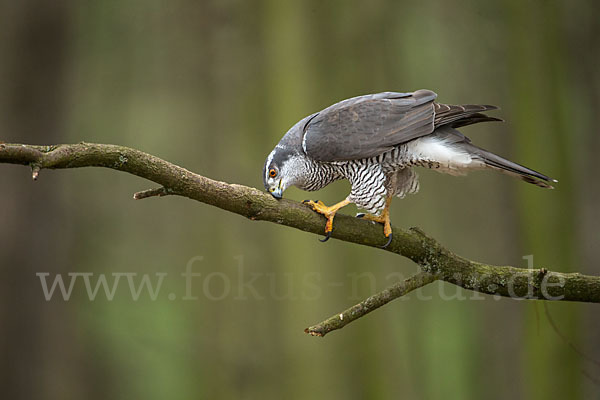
[{"x": 436, "y": 262}]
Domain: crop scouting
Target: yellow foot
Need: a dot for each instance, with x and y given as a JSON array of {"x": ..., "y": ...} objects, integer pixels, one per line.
[
  {"x": 384, "y": 219},
  {"x": 328, "y": 212}
]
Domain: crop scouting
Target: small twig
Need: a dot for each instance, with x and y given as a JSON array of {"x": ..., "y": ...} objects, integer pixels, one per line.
[
  {"x": 160, "y": 192},
  {"x": 594, "y": 380},
  {"x": 435, "y": 260},
  {"x": 372, "y": 303},
  {"x": 566, "y": 339},
  {"x": 35, "y": 171}
]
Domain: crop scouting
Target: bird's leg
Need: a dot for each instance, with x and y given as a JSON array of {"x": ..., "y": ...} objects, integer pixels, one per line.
[
  {"x": 384, "y": 219},
  {"x": 328, "y": 212}
]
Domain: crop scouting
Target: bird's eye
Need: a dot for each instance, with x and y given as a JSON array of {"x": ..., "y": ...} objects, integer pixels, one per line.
[{"x": 272, "y": 173}]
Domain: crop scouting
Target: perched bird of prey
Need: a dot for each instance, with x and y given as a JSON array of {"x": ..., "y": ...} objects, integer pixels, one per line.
[{"x": 374, "y": 141}]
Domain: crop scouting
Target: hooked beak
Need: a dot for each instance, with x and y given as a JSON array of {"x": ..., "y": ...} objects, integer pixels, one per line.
[{"x": 276, "y": 192}]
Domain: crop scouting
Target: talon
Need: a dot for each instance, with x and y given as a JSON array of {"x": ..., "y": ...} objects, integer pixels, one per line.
[
  {"x": 388, "y": 242},
  {"x": 327, "y": 236},
  {"x": 305, "y": 201},
  {"x": 327, "y": 212},
  {"x": 360, "y": 215}
]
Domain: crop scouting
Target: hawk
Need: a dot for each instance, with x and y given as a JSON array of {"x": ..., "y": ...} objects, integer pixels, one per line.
[{"x": 373, "y": 141}]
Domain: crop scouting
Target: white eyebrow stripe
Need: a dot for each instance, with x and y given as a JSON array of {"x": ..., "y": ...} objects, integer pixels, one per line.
[
  {"x": 304, "y": 144},
  {"x": 269, "y": 159}
]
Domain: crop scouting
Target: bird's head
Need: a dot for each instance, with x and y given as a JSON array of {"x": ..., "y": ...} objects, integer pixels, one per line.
[
  {"x": 287, "y": 163},
  {"x": 279, "y": 172}
]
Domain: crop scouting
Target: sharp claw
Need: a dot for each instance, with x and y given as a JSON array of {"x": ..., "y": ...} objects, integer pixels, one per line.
[
  {"x": 327, "y": 236},
  {"x": 360, "y": 215},
  {"x": 388, "y": 242},
  {"x": 305, "y": 201}
]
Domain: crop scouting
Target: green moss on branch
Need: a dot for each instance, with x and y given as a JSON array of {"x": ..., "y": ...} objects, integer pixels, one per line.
[{"x": 436, "y": 261}]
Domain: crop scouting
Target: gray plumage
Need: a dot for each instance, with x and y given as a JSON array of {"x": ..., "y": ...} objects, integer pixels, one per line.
[{"x": 374, "y": 140}]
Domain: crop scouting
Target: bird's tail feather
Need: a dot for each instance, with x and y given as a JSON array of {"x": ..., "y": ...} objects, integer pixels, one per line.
[
  {"x": 453, "y": 137},
  {"x": 526, "y": 174}
]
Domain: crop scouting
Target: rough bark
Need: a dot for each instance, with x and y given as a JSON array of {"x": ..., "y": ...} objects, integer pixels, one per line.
[{"x": 436, "y": 262}]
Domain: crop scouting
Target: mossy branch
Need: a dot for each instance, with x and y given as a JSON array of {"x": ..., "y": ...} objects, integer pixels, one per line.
[{"x": 436, "y": 262}]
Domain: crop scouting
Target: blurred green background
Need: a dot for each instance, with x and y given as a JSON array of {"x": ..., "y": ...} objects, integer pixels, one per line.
[{"x": 212, "y": 86}]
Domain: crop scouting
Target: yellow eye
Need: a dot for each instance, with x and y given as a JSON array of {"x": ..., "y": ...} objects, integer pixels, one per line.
[{"x": 272, "y": 173}]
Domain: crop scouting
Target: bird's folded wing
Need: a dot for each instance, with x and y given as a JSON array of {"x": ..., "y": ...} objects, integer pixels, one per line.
[{"x": 367, "y": 126}]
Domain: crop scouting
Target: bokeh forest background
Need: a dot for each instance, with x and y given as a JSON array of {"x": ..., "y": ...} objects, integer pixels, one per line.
[{"x": 212, "y": 86}]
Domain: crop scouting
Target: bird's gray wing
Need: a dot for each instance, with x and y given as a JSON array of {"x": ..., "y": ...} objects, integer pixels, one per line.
[{"x": 366, "y": 126}]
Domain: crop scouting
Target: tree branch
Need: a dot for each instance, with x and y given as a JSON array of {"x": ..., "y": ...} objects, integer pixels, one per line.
[
  {"x": 435, "y": 261},
  {"x": 160, "y": 192},
  {"x": 372, "y": 303}
]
